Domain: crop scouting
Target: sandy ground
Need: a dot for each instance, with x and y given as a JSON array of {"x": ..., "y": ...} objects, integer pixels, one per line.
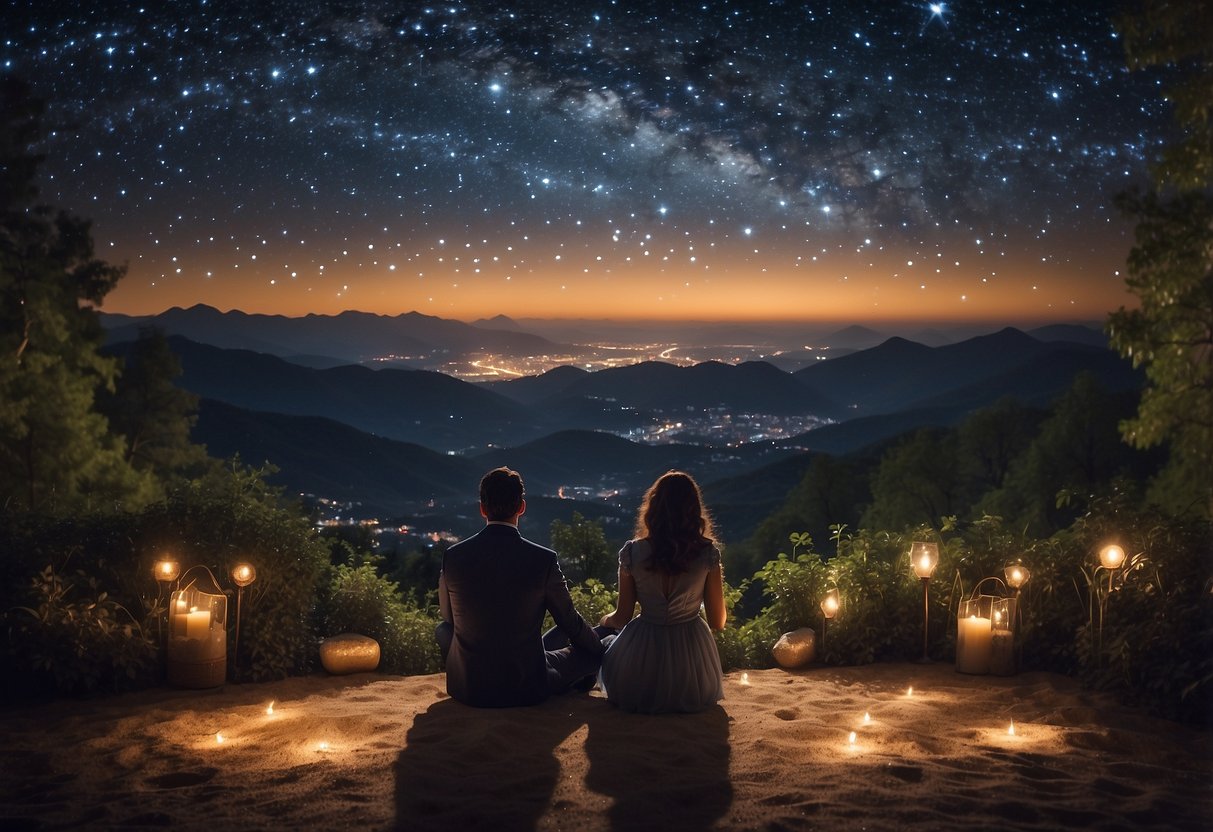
[{"x": 376, "y": 752}]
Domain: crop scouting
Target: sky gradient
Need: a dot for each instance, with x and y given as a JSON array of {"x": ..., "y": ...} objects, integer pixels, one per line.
[{"x": 719, "y": 161}]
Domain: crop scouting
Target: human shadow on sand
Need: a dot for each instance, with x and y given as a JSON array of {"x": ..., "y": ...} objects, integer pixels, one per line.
[
  {"x": 667, "y": 772},
  {"x": 483, "y": 768}
]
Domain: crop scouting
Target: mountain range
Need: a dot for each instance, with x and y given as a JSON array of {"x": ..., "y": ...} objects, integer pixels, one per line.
[{"x": 399, "y": 440}]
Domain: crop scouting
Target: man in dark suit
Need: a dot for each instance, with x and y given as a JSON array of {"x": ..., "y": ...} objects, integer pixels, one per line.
[{"x": 493, "y": 591}]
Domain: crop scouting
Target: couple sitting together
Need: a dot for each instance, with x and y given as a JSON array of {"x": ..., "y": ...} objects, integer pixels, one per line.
[{"x": 496, "y": 586}]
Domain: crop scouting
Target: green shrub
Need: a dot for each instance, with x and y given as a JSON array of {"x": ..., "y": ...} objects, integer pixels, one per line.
[
  {"x": 359, "y": 600},
  {"x": 231, "y": 517},
  {"x": 74, "y": 638}
]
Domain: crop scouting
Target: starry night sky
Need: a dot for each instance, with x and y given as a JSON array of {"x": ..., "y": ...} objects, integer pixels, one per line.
[{"x": 720, "y": 160}]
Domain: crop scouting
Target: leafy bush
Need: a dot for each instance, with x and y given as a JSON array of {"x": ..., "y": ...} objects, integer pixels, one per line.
[
  {"x": 231, "y": 517},
  {"x": 74, "y": 639},
  {"x": 359, "y": 600}
]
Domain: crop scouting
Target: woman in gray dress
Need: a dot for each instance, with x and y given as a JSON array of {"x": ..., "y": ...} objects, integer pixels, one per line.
[{"x": 665, "y": 659}]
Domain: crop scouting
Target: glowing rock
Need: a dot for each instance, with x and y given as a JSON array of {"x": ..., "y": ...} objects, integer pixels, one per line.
[
  {"x": 796, "y": 649},
  {"x": 349, "y": 653}
]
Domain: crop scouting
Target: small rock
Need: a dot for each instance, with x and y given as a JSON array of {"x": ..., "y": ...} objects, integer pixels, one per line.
[
  {"x": 349, "y": 653},
  {"x": 796, "y": 649}
]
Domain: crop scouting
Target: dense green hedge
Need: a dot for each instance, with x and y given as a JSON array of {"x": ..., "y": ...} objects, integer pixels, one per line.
[
  {"x": 1154, "y": 646},
  {"x": 81, "y": 612}
]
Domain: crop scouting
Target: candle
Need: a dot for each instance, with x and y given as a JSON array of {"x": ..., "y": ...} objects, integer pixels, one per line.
[
  {"x": 910, "y": 690},
  {"x": 852, "y": 738},
  {"x": 745, "y": 678},
  {"x": 1011, "y": 730},
  {"x": 270, "y": 710},
  {"x": 219, "y": 739},
  {"x": 867, "y": 717},
  {"x": 973, "y": 645},
  {"x": 197, "y": 623}
]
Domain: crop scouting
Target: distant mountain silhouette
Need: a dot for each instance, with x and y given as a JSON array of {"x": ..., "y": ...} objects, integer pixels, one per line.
[
  {"x": 503, "y": 322},
  {"x": 350, "y": 336},
  {"x": 751, "y": 387},
  {"x": 579, "y": 457},
  {"x": 427, "y": 408},
  {"x": 854, "y": 337},
  {"x": 899, "y": 373},
  {"x": 535, "y": 389},
  {"x": 1074, "y": 333},
  {"x": 325, "y": 457}
]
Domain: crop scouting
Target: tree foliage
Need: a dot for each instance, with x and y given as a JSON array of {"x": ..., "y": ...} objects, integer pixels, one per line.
[
  {"x": 56, "y": 450},
  {"x": 583, "y": 549},
  {"x": 1170, "y": 268}
]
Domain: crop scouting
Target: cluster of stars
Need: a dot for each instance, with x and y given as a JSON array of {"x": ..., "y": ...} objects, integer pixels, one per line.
[{"x": 554, "y": 159}]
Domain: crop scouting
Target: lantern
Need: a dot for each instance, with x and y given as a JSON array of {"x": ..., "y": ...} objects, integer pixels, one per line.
[
  {"x": 197, "y": 645},
  {"x": 924, "y": 557},
  {"x": 1111, "y": 556},
  {"x": 975, "y": 629},
  {"x": 1017, "y": 575},
  {"x": 166, "y": 571},
  {"x": 830, "y": 604}
]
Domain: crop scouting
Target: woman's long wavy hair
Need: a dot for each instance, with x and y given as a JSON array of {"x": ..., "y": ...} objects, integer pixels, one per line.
[{"x": 673, "y": 520}]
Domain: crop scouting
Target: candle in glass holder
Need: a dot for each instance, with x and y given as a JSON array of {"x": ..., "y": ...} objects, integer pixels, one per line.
[
  {"x": 973, "y": 645},
  {"x": 197, "y": 623}
]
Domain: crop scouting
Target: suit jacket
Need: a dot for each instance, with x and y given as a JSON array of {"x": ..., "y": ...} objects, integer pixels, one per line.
[{"x": 500, "y": 584}]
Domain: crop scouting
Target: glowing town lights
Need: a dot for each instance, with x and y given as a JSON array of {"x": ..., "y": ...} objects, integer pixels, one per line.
[
  {"x": 1011, "y": 730},
  {"x": 851, "y": 739}
]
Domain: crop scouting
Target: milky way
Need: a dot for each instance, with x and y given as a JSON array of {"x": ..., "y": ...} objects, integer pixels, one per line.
[{"x": 716, "y": 160}]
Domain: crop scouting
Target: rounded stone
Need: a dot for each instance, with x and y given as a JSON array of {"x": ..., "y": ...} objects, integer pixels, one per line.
[
  {"x": 349, "y": 653},
  {"x": 796, "y": 649}
]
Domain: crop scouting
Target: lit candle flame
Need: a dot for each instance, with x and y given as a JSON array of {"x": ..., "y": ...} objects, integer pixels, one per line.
[
  {"x": 867, "y": 717},
  {"x": 1017, "y": 575},
  {"x": 851, "y": 739},
  {"x": 745, "y": 678},
  {"x": 1011, "y": 730},
  {"x": 219, "y": 739},
  {"x": 324, "y": 746},
  {"x": 270, "y": 709},
  {"x": 910, "y": 691},
  {"x": 925, "y": 563}
]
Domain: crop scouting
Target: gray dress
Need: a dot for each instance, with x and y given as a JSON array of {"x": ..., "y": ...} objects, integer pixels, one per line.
[{"x": 665, "y": 659}]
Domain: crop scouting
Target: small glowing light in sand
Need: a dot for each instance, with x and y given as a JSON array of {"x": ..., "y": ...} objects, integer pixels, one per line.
[
  {"x": 851, "y": 739},
  {"x": 219, "y": 738},
  {"x": 910, "y": 690},
  {"x": 323, "y": 746},
  {"x": 867, "y": 718},
  {"x": 270, "y": 709},
  {"x": 1011, "y": 730},
  {"x": 745, "y": 678}
]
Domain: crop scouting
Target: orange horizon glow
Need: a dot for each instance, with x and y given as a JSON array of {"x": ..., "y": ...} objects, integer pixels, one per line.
[{"x": 635, "y": 297}]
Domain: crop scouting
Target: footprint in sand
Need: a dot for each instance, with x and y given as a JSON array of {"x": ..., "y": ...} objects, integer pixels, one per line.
[
  {"x": 787, "y": 714},
  {"x": 181, "y": 779}
]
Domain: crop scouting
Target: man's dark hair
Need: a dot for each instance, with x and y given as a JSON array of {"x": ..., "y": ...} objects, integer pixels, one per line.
[{"x": 501, "y": 494}]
